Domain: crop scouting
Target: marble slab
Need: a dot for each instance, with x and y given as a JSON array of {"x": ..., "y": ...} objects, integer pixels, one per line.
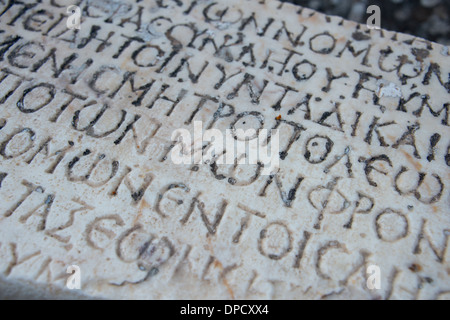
[{"x": 95, "y": 113}]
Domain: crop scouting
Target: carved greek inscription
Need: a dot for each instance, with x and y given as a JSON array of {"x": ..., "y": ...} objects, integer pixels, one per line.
[{"x": 88, "y": 175}]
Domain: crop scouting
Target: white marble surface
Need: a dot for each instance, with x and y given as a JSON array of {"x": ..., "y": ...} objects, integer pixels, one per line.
[{"x": 87, "y": 177}]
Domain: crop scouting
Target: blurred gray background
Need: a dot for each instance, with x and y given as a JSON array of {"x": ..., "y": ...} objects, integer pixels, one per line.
[{"x": 429, "y": 19}]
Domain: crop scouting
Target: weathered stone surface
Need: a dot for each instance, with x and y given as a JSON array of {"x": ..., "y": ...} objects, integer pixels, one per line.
[{"x": 87, "y": 176}]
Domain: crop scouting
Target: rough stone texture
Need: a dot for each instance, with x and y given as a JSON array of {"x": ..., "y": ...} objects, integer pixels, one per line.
[{"x": 86, "y": 171}]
